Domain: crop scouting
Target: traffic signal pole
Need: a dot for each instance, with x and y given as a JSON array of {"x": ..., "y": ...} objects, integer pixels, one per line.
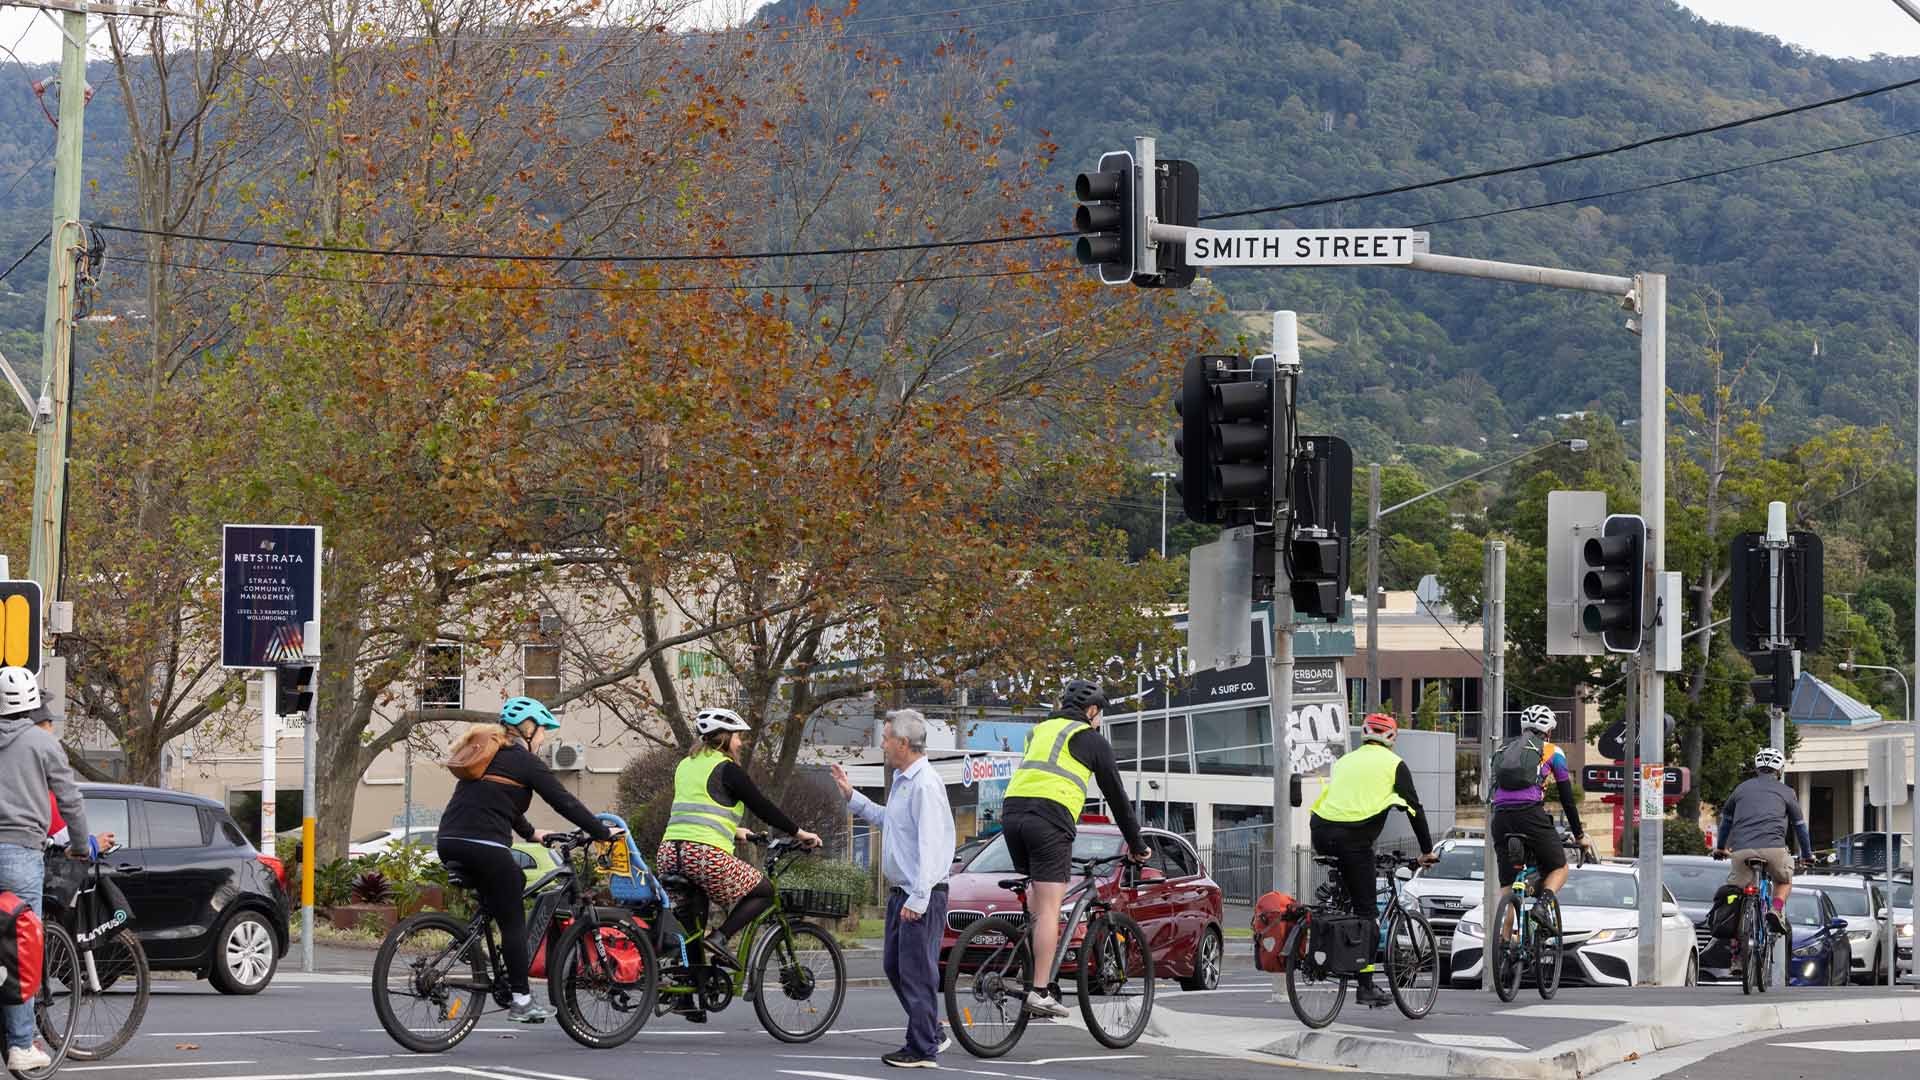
[
  {"x": 1286, "y": 370},
  {"x": 1652, "y": 683}
]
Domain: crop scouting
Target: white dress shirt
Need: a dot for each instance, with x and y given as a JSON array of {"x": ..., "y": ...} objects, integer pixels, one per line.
[{"x": 918, "y": 848}]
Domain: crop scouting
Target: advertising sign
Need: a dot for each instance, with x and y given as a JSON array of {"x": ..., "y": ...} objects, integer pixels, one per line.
[{"x": 269, "y": 591}]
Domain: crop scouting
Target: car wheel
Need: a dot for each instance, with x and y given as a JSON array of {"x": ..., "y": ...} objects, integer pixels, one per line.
[
  {"x": 244, "y": 955},
  {"x": 1693, "y": 970},
  {"x": 1206, "y": 962}
]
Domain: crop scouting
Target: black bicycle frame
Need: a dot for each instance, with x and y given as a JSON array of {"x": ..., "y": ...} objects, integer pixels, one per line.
[{"x": 1087, "y": 893}]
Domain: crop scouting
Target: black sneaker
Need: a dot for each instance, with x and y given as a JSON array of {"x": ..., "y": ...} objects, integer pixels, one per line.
[
  {"x": 907, "y": 1059},
  {"x": 1372, "y": 996},
  {"x": 695, "y": 1016},
  {"x": 1775, "y": 923}
]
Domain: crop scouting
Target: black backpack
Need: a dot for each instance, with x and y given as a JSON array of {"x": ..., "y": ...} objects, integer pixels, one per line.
[
  {"x": 1517, "y": 766},
  {"x": 1723, "y": 919}
]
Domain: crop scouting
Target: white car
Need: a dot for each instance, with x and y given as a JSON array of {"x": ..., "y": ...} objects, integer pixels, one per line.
[
  {"x": 1600, "y": 916},
  {"x": 1864, "y": 905},
  {"x": 381, "y": 841},
  {"x": 1447, "y": 889},
  {"x": 1902, "y": 904}
]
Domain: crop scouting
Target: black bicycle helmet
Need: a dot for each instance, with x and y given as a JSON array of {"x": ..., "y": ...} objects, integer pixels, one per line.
[{"x": 1079, "y": 694}]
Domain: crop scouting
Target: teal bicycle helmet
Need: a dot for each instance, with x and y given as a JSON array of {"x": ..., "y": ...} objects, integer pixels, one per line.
[{"x": 519, "y": 710}]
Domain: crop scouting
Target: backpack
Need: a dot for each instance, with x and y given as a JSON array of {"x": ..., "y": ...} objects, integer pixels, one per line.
[
  {"x": 1723, "y": 919},
  {"x": 1517, "y": 766},
  {"x": 1274, "y": 917},
  {"x": 22, "y": 948},
  {"x": 1341, "y": 944}
]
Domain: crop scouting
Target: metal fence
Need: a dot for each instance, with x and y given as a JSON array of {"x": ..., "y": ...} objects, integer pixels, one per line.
[{"x": 1241, "y": 861}]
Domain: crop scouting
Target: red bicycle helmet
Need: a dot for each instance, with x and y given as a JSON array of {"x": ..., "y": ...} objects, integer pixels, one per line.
[{"x": 1379, "y": 727}]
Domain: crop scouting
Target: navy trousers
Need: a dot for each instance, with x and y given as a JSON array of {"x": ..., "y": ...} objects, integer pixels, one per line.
[{"x": 913, "y": 967}]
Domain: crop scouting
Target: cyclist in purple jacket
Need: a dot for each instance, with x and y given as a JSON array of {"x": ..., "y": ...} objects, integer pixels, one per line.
[{"x": 1522, "y": 812}]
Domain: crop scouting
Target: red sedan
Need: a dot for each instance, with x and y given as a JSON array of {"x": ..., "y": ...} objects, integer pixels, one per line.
[{"x": 1176, "y": 904}]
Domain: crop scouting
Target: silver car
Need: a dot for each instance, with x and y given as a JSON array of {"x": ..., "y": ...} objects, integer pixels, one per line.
[
  {"x": 1863, "y": 904},
  {"x": 1448, "y": 888}
]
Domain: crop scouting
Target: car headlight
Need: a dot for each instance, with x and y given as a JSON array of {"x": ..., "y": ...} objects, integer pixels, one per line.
[
  {"x": 1467, "y": 928},
  {"x": 1906, "y": 932},
  {"x": 1859, "y": 935},
  {"x": 1619, "y": 934},
  {"x": 1809, "y": 950}
]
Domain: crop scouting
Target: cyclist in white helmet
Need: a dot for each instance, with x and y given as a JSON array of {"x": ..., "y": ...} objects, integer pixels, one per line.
[
  {"x": 711, "y": 796},
  {"x": 1520, "y": 774},
  {"x": 1754, "y": 823}
]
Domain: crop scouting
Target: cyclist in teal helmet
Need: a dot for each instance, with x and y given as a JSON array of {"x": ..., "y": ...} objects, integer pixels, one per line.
[{"x": 476, "y": 832}]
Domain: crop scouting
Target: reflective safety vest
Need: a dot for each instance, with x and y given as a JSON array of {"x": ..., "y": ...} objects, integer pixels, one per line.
[
  {"x": 1049, "y": 771},
  {"x": 696, "y": 817},
  {"x": 1361, "y": 785}
]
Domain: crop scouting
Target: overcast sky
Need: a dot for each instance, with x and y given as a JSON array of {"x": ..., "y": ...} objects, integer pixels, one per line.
[{"x": 1836, "y": 27}]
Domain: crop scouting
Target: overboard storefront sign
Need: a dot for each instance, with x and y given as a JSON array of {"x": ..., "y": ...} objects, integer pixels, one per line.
[{"x": 987, "y": 770}]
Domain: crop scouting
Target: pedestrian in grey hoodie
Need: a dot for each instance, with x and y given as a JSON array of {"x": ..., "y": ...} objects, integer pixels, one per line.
[{"x": 32, "y": 764}]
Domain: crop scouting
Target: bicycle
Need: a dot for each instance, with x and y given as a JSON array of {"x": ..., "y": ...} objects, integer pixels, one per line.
[
  {"x": 602, "y": 973},
  {"x": 795, "y": 973},
  {"x": 1113, "y": 968},
  {"x": 110, "y": 957},
  {"x": 1319, "y": 962},
  {"x": 1531, "y": 933},
  {"x": 1753, "y": 948}
]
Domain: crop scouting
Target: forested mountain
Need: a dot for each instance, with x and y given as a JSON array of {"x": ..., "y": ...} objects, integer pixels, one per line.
[{"x": 1280, "y": 101}]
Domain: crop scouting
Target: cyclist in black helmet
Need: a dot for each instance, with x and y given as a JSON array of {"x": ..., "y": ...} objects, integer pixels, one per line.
[{"x": 1042, "y": 812}]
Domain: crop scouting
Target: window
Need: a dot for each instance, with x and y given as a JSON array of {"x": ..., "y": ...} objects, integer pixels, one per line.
[
  {"x": 1125, "y": 737},
  {"x": 173, "y": 825},
  {"x": 443, "y": 670},
  {"x": 542, "y": 672},
  {"x": 231, "y": 833},
  {"x": 1168, "y": 736},
  {"x": 1233, "y": 742},
  {"x": 109, "y": 816},
  {"x": 1173, "y": 858}
]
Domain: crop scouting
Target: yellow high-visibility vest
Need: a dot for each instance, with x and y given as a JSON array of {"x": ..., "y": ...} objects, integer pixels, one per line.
[
  {"x": 695, "y": 816},
  {"x": 1049, "y": 771},
  {"x": 1361, "y": 785}
]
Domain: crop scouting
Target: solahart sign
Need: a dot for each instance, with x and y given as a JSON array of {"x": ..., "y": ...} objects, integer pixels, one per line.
[
  {"x": 269, "y": 592},
  {"x": 983, "y": 770}
]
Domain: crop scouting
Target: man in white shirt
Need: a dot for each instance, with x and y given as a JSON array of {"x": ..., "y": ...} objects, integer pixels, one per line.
[{"x": 917, "y": 852}]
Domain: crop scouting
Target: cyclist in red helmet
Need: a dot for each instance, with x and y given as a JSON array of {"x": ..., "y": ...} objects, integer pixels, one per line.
[{"x": 1365, "y": 786}]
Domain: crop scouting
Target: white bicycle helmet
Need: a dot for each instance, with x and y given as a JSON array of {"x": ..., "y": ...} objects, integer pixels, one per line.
[
  {"x": 19, "y": 691},
  {"x": 708, "y": 721},
  {"x": 1538, "y": 719},
  {"x": 1769, "y": 758}
]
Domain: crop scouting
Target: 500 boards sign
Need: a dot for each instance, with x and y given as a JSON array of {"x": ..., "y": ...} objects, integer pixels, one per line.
[{"x": 980, "y": 770}]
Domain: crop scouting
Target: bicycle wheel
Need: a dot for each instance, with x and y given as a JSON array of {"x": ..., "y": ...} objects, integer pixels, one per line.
[
  {"x": 1506, "y": 948},
  {"x": 109, "y": 1015},
  {"x": 430, "y": 981},
  {"x": 1115, "y": 978},
  {"x": 604, "y": 983},
  {"x": 1766, "y": 956},
  {"x": 986, "y": 986},
  {"x": 1547, "y": 954},
  {"x": 1315, "y": 993},
  {"x": 799, "y": 982},
  {"x": 1752, "y": 954},
  {"x": 56, "y": 1008},
  {"x": 1413, "y": 963}
]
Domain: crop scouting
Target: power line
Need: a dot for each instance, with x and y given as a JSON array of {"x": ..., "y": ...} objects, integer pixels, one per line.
[
  {"x": 25, "y": 255},
  {"x": 1585, "y": 155},
  {"x": 750, "y": 286},
  {"x": 1597, "y": 196}
]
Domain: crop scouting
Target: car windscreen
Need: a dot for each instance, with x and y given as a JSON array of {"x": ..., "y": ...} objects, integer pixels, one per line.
[
  {"x": 1803, "y": 908},
  {"x": 1846, "y": 901},
  {"x": 1458, "y": 863},
  {"x": 1584, "y": 889},
  {"x": 1691, "y": 883},
  {"x": 1902, "y": 894},
  {"x": 997, "y": 860}
]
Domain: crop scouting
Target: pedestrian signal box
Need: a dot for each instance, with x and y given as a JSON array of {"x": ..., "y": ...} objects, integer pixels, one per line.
[{"x": 20, "y": 624}]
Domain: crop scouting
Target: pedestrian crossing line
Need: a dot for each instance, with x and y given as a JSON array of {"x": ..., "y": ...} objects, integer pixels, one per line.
[
  {"x": 1090, "y": 1057},
  {"x": 157, "y": 1065}
]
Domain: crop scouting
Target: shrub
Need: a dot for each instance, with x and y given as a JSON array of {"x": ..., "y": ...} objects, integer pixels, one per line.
[
  {"x": 333, "y": 882},
  {"x": 1680, "y": 836},
  {"x": 829, "y": 875},
  {"x": 371, "y": 887}
]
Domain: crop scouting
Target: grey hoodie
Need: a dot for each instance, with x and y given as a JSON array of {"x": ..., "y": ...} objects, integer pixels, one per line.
[{"x": 32, "y": 763}]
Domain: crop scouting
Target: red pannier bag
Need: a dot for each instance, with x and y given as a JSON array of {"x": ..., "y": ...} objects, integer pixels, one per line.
[
  {"x": 1274, "y": 915},
  {"x": 22, "y": 949},
  {"x": 626, "y": 959}
]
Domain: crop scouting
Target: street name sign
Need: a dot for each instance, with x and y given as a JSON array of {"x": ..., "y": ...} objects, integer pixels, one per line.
[{"x": 1304, "y": 247}]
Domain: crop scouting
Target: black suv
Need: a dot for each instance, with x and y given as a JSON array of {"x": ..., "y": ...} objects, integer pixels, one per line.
[{"x": 203, "y": 899}]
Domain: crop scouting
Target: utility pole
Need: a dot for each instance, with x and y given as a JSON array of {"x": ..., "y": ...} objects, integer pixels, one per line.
[
  {"x": 1164, "y": 477},
  {"x": 1493, "y": 722},
  {"x": 1373, "y": 589},
  {"x": 1286, "y": 371},
  {"x": 1652, "y": 682}
]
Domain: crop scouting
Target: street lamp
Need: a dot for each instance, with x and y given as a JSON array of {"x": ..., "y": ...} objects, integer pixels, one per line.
[
  {"x": 1375, "y": 513},
  {"x": 1163, "y": 477}
]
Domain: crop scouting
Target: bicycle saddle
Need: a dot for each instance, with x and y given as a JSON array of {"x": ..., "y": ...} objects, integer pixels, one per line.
[
  {"x": 1756, "y": 862},
  {"x": 1015, "y": 884},
  {"x": 1327, "y": 860}
]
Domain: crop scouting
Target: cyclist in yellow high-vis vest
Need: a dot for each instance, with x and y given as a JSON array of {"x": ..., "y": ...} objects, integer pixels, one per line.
[
  {"x": 1365, "y": 786},
  {"x": 1041, "y": 814},
  {"x": 711, "y": 796}
]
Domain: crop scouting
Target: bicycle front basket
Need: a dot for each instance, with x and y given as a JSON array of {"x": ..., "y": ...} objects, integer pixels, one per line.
[{"x": 821, "y": 903}]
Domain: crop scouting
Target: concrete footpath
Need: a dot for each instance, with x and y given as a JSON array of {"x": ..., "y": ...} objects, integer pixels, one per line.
[{"x": 1470, "y": 1033}]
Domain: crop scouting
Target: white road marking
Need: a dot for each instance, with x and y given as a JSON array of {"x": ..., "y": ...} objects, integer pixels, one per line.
[
  {"x": 1475, "y": 1042},
  {"x": 1092, "y": 1057},
  {"x": 1856, "y": 1046},
  {"x": 828, "y": 1057},
  {"x": 359, "y": 1057},
  {"x": 219, "y": 1034},
  {"x": 157, "y": 1065},
  {"x": 862, "y": 1031},
  {"x": 822, "y": 1075}
]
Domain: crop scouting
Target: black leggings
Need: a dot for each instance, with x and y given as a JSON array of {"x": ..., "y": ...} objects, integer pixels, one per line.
[
  {"x": 500, "y": 885},
  {"x": 759, "y": 899},
  {"x": 1351, "y": 843}
]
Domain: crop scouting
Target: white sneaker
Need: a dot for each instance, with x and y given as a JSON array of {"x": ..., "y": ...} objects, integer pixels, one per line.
[
  {"x": 1041, "y": 1004},
  {"x": 946, "y": 1042},
  {"x": 27, "y": 1059}
]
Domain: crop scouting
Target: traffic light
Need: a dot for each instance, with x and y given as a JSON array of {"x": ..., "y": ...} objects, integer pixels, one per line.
[
  {"x": 1107, "y": 218},
  {"x": 1613, "y": 584},
  {"x": 1323, "y": 525},
  {"x": 1225, "y": 441},
  {"x": 1802, "y": 587},
  {"x": 293, "y": 694},
  {"x": 1775, "y": 684},
  {"x": 20, "y": 625}
]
